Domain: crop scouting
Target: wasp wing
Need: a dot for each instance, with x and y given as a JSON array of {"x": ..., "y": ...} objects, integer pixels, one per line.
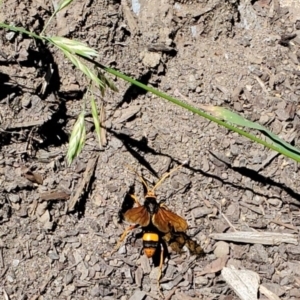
[
  {"x": 137, "y": 215},
  {"x": 165, "y": 221},
  {"x": 194, "y": 247},
  {"x": 176, "y": 240}
]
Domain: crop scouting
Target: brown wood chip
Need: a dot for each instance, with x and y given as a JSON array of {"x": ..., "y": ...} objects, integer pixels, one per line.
[{"x": 57, "y": 195}]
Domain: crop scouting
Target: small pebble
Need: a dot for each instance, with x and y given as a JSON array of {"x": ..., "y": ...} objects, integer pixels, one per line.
[
  {"x": 10, "y": 35},
  {"x": 201, "y": 280},
  {"x": 295, "y": 293},
  {"x": 68, "y": 278},
  {"x": 222, "y": 249},
  {"x": 264, "y": 119},
  {"x": 26, "y": 100},
  {"x": 275, "y": 202},
  {"x": 9, "y": 278},
  {"x": 138, "y": 295},
  {"x": 224, "y": 175},
  {"x": 169, "y": 285},
  {"x": 14, "y": 198},
  {"x": 53, "y": 255},
  {"x": 122, "y": 250},
  {"x": 95, "y": 291},
  {"x": 154, "y": 273},
  {"x": 145, "y": 264},
  {"x": 15, "y": 263}
]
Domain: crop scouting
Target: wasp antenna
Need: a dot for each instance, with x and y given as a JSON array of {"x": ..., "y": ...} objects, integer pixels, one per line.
[
  {"x": 139, "y": 176},
  {"x": 167, "y": 175}
]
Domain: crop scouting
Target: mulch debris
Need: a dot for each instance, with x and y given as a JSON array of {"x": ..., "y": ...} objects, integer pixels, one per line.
[{"x": 59, "y": 224}]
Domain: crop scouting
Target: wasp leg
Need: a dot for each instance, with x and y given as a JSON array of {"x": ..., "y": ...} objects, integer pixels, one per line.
[
  {"x": 160, "y": 268},
  {"x": 123, "y": 236},
  {"x": 134, "y": 197}
]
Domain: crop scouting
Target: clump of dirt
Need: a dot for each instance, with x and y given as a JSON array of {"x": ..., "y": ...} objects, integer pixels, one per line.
[{"x": 242, "y": 55}]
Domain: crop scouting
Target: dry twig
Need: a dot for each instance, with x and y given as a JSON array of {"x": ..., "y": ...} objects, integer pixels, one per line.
[{"x": 249, "y": 237}]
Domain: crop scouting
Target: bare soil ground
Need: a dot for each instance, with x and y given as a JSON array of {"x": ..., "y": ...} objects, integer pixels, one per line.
[{"x": 239, "y": 54}]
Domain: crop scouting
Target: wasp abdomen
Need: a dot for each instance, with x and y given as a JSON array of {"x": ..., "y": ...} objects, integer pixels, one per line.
[{"x": 150, "y": 243}]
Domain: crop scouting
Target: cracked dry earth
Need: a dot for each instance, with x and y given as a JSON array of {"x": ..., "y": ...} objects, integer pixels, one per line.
[{"x": 239, "y": 54}]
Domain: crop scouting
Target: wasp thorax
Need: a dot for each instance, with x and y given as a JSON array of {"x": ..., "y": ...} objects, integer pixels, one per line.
[{"x": 151, "y": 205}]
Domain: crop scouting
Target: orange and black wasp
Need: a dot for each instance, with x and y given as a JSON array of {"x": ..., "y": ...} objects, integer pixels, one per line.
[{"x": 159, "y": 224}]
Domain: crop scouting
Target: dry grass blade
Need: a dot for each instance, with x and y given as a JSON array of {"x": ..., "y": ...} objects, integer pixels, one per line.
[
  {"x": 236, "y": 119},
  {"x": 77, "y": 138},
  {"x": 70, "y": 48},
  {"x": 96, "y": 120},
  {"x": 74, "y": 47},
  {"x": 264, "y": 238},
  {"x": 102, "y": 128},
  {"x": 107, "y": 82},
  {"x": 89, "y": 73},
  {"x": 63, "y": 4}
]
